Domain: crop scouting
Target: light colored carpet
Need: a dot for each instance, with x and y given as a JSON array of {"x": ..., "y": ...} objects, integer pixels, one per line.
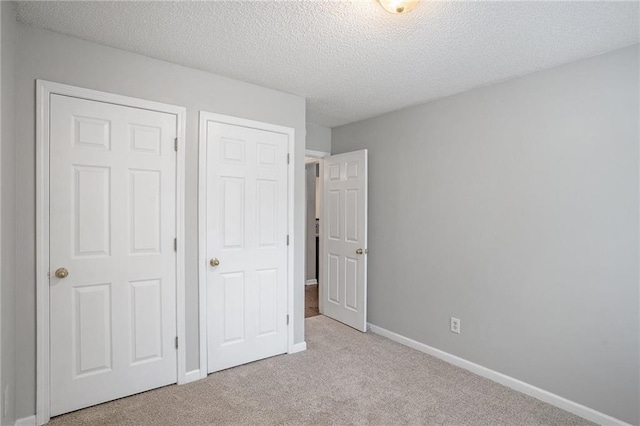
[
  {"x": 311, "y": 301},
  {"x": 344, "y": 378}
]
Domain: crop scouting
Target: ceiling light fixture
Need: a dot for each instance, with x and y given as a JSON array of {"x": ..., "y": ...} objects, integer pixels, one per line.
[{"x": 398, "y": 6}]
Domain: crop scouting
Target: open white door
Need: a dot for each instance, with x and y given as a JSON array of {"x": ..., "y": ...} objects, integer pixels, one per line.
[{"x": 344, "y": 239}]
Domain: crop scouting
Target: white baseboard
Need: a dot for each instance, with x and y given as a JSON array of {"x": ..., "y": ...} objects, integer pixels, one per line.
[
  {"x": 541, "y": 394},
  {"x": 192, "y": 376},
  {"x": 26, "y": 421},
  {"x": 311, "y": 282},
  {"x": 298, "y": 347}
]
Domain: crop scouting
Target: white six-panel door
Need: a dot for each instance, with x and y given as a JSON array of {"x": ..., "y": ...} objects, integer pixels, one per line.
[
  {"x": 246, "y": 243},
  {"x": 344, "y": 239},
  {"x": 112, "y": 227}
]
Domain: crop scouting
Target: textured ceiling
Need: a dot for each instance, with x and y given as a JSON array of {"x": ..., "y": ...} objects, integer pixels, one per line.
[{"x": 351, "y": 59}]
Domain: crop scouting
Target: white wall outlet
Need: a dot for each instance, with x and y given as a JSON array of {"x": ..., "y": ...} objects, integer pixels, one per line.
[{"x": 455, "y": 325}]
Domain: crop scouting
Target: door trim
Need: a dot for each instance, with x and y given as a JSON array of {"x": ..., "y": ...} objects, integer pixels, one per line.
[
  {"x": 202, "y": 224},
  {"x": 316, "y": 154},
  {"x": 44, "y": 90}
]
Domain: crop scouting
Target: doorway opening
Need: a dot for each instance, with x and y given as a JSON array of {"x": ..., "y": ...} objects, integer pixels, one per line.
[
  {"x": 312, "y": 240},
  {"x": 313, "y": 161}
]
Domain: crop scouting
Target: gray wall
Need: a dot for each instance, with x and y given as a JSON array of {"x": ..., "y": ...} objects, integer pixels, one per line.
[
  {"x": 7, "y": 207},
  {"x": 514, "y": 207},
  {"x": 46, "y": 55},
  {"x": 318, "y": 137}
]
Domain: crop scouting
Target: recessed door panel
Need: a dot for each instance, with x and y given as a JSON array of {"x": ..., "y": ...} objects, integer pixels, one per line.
[
  {"x": 351, "y": 169},
  {"x": 91, "y": 133},
  {"x": 334, "y": 172},
  {"x": 267, "y": 301},
  {"x": 92, "y": 329},
  {"x": 333, "y": 220},
  {"x": 351, "y": 283},
  {"x": 92, "y": 211},
  {"x": 144, "y": 202},
  {"x": 246, "y": 242},
  {"x": 267, "y": 155},
  {"x": 233, "y": 288},
  {"x": 112, "y": 196},
  {"x": 146, "y": 320},
  {"x": 232, "y": 206},
  {"x": 333, "y": 278},
  {"x": 267, "y": 211},
  {"x": 351, "y": 215},
  {"x": 232, "y": 150},
  {"x": 146, "y": 139}
]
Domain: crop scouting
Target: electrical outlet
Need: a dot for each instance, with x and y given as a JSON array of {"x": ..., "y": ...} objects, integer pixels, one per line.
[{"x": 455, "y": 325}]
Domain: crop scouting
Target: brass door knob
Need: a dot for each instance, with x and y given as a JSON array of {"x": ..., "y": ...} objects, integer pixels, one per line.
[
  {"x": 359, "y": 251},
  {"x": 62, "y": 273},
  {"x": 214, "y": 262}
]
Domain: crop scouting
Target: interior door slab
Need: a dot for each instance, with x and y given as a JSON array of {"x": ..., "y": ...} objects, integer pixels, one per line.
[
  {"x": 113, "y": 266},
  {"x": 246, "y": 244},
  {"x": 344, "y": 239}
]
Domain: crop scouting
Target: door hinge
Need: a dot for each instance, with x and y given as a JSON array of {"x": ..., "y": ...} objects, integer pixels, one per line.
[
  {"x": 176, "y": 342},
  {"x": 175, "y": 147},
  {"x": 287, "y": 239},
  {"x": 175, "y": 244},
  {"x": 288, "y": 158},
  {"x": 287, "y": 319}
]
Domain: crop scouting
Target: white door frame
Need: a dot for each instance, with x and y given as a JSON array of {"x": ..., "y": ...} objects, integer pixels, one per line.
[
  {"x": 317, "y": 158},
  {"x": 202, "y": 223},
  {"x": 44, "y": 90}
]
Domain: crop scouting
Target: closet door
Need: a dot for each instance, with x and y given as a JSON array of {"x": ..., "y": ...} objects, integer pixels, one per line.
[
  {"x": 112, "y": 261},
  {"x": 246, "y": 243}
]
